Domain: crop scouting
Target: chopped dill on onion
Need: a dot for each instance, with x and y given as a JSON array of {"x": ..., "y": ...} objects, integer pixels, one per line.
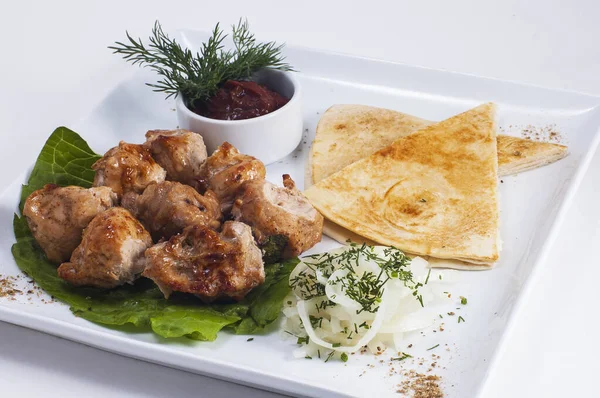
[{"x": 362, "y": 296}]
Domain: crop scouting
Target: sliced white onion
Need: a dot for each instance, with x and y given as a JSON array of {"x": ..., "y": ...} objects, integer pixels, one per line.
[
  {"x": 341, "y": 313},
  {"x": 322, "y": 279},
  {"x": 419, "y": 266},
  {"x": 290, "y": 311},
  {"x": 336, "y": 327},
  {"x": 398, "y": 312},
  {"x": 398, "y": 339},
  {"x": 372, "y": 331},
  {"x": 376, "y": 346},
  {"x": 335, "y": 293},
  {"x": 300, "y": 352}
]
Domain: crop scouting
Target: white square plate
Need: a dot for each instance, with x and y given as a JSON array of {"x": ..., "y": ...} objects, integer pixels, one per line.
[{"x": 532, "y": 205}]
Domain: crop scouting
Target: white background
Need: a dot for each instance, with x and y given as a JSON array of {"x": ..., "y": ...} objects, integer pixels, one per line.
[{"x": 55, "y": 67}]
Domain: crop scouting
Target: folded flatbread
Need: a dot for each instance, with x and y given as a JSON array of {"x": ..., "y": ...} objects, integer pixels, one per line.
[
  {"x": 431, "y": 193},
  {"x": 516, "y": 155},
  {"x": 345, "y": 236},
  {"x": 347, "y": 133}
]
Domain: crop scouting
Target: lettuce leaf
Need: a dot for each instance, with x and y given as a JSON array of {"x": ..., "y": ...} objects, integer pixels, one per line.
[{"x": 66, "y": 159}]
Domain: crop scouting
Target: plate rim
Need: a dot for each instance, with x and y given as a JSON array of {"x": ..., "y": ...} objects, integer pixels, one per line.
[
  {"x": 573, "y": 187},
  {"x": 341, "y": 54}
]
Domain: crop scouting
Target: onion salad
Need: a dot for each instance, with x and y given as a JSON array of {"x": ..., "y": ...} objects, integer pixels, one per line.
[{"x": 360, "y": 296}]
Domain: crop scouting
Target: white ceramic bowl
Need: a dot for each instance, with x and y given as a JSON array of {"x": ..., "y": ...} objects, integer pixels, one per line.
[{"x": 269, "y": 137}]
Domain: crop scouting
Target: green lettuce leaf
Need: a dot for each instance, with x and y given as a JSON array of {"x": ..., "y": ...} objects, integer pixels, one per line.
[
  {"x": 273, "y": 248},
  {"x": 66, "y": 159}
]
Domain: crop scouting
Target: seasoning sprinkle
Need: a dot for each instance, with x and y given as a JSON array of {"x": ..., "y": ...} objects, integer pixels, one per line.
[
  {"x": 8, "y": 287},
  {"x": 419, "y": 385}
]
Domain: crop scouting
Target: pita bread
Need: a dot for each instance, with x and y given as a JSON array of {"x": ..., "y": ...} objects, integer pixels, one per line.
[
  {"x": 347, "y": 133},
  {"x": 516, "y": 155},
  {"x": 431, "y": 193},
  {"x": 344, "y": 236}
]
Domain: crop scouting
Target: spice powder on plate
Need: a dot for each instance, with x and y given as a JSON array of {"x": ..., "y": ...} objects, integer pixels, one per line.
[
  {"x": 8, "y": 287},
  {"x": 421, "y": 385}
]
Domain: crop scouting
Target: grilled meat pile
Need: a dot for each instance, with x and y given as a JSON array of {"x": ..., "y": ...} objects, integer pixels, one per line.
[{"x": 166, "y": 211}]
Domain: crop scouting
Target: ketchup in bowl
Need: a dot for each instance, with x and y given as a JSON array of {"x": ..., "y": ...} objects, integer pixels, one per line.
[{"x": 237, "y": 100}]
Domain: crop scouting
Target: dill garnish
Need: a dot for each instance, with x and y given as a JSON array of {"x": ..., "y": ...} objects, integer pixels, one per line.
[
  {"x": 364, "y": 325},
  {"x": 315, "y": 321},
  {"x": 428, "y": 273},
  {"x": 431, "y": 348},
  {"x": 402, "y": 357},
  {"x": 198, "y": 76},
  {"x": 329, "y": 356},
  {"x": 461, "y": 319},
  {"x": 367, "y": 288},
  {"x": 302, "y": 340}
]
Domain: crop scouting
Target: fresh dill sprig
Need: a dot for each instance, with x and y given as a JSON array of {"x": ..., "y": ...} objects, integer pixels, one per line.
[{"x": 198, "y": 76}]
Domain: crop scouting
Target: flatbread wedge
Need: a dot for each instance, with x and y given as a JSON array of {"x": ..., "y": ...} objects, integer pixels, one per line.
[
  {"x": 347, "y": 133},
  {"x": 431, "y": 193},
  {"x": 345, "y": 236},
  {"x": 516, "y": 155}
]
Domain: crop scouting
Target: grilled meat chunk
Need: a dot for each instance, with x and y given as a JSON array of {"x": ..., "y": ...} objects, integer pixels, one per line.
[
  {"x": 57, "y": 216},
  {"x": 271, "y": 211},
  {"x": 208, "y": 264},
  {"x": 180, "y": 152},
  {"x": 168, "y": 207},
  {"x": 127, "y": 167},
  {"x": 111, "y": 251},
  {"x": 226, "y": 170}
]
